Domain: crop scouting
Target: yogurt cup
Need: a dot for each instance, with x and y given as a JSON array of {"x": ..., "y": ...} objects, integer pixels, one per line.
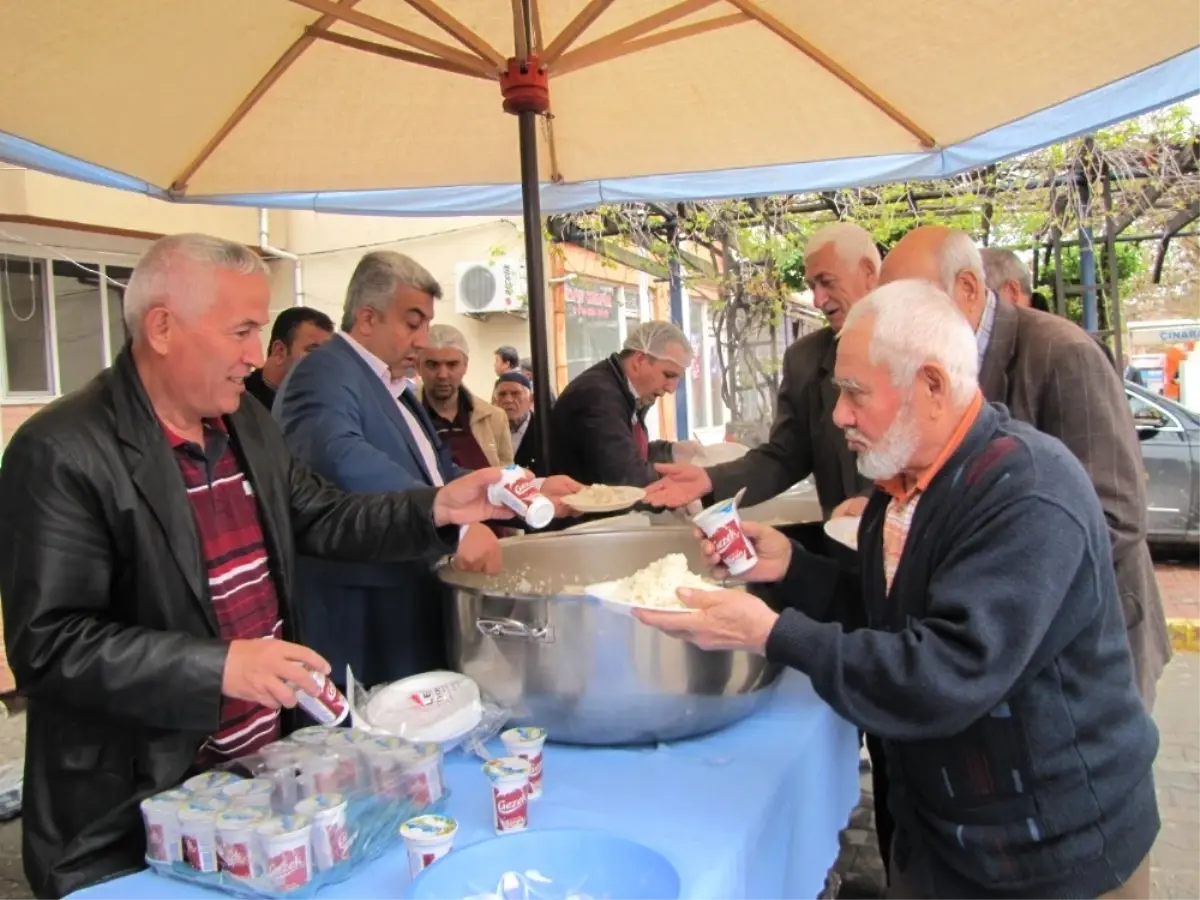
[
  {"x": 330, "y": 839},
  {"x": 237, "y": 844},
  {"x": 286, "y": 846},
  {"x": 527, "y": 743},
  {"x": 427, "y": 839},
  {"x": 329, "y": 706},
  {"x": 198, "y": 831},
  {"x": 422, "y": 764},
  {"x": 722, "y": 524},
  {"x": 249, "y": 792},
  {"x": 320, "y": 774},
  {"x": 518, "y": 491},
  {"x": 208, "y": 781},
  {"x": 160, "y": 814},
  {"x": 351, "y": 746},
  {"x": 509, "y": 776},
  {"x": 312, "y": 736},
  {"x": 385, "y": 762}
]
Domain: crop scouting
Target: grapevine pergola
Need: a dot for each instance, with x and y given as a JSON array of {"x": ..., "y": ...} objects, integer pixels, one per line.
[{"x": 1137, "y": 183}]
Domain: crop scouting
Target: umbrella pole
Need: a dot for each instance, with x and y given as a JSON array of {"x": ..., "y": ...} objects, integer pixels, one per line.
[
  {"x": 536, "y": 279},
  {"x": 526, "y": 91}
]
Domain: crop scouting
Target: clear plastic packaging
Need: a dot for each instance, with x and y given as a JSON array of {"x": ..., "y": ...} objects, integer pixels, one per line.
[{"x": 302, "y": 813}]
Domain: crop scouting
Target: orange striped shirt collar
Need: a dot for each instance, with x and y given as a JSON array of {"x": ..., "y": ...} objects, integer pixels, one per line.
[{"x": 904, "y": 491}]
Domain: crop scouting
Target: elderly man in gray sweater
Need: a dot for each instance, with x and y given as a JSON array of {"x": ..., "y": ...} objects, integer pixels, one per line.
[{"x": 982, "y": 637}]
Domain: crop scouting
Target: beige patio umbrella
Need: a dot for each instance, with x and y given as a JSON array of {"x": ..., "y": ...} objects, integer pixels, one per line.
[
  {"x": 234, "y": 99},
  {"x": 254, "y": 96}
]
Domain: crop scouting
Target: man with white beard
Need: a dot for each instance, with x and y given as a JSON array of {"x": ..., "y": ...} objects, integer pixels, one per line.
[{"x": 981, "y": 637}]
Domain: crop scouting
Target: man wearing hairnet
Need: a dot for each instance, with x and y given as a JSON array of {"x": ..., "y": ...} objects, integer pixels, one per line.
[{"x": 598, "y": 426}]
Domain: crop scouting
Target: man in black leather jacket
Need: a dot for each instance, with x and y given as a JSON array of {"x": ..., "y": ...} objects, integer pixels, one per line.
[{"x": 116, "y": 623}]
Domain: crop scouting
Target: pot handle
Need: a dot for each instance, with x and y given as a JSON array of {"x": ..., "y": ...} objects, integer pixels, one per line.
[{"x": 513, "y": 628}]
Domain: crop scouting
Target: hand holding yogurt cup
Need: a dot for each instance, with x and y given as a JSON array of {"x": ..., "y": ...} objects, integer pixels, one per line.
[{"x": 772, "y": 549}]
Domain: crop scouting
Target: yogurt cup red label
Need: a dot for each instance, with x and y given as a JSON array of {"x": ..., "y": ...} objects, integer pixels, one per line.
[
  {"x": 523, "y": 489},
  {"x": 511, "y": 808},
  {"x": 328, "y": 707},
  {"x": 518, "y": 491},
  {"x": 235, "y": 858},
  {"x": 723, "y": 526},
  {"x": 289, "y": 869},
  {"x": 156, "y": 843}
]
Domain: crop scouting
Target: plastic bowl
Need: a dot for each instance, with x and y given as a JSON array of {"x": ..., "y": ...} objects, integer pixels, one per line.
[{"x": 551, "y": 864}]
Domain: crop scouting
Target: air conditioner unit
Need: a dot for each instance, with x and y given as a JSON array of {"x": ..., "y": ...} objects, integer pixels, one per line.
[{"x": 494, "y": 286}]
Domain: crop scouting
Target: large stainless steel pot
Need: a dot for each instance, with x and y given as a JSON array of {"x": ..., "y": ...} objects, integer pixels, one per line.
[{"x": 587, "y": 674}]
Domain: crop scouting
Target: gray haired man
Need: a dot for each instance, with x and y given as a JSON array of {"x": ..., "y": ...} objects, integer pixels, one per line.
[{"x": 598, "y": 426}]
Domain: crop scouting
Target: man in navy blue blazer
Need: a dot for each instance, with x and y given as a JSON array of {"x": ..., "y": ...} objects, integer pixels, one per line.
[{"x": 348, "y": 411}]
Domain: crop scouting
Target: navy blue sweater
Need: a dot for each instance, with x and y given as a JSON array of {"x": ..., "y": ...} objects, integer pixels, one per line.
[{"x": 996, "y": 670}]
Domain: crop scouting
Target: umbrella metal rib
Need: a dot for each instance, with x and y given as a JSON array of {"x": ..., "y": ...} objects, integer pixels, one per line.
[{"x": 524, "y": 85}]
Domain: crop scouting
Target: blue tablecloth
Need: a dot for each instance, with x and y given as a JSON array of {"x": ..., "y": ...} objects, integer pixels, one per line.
[{"x": 753, "y": 811}]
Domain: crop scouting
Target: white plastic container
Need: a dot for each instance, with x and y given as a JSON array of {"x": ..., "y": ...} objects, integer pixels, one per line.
[
  {"x": 422, "y": 773},
  {"x": 198, "y": 831},
  {"x": 320, "y": 774},
  {"x": 311, "y": 736},
  {"x": 330, "y": 839},
  {"x": 160, "y": 813},
  {"x": 427, "y": 839},
  {"x": 209, "y": 781},
  {"x": 527, "y": 743},
  {"x": 249, "y": 793},
  {"x": 722, "y": 524},
  {"x": 518, "y": 491},
  {"x": 286, "y": 845},
  {"x": 237, "y": 843},
  {"x": 329, "y": 706},
  {"x": 509, "y": 777}
]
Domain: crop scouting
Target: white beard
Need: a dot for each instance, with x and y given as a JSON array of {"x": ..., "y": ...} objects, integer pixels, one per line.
[{"x": 887, "y": 458}]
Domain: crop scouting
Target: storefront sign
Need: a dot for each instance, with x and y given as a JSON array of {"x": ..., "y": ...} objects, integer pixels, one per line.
[{"x": 591, "y": 301}]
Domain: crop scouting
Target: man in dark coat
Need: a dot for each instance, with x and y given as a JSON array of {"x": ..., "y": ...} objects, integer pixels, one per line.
[
  {"x": 296, "y": 332},
  {"x": 147, "y": 529},
  {"x": 981, "y": 636},
  {"x": 598, "y": 426},
  {"x": 1050, "y": 373},
  {"x": 513, "y": 393}
]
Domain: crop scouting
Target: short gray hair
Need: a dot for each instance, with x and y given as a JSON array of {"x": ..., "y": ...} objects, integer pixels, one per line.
[
  {"x": 852, "y": 242},
  {"x": 376, "y": 279},
  {"x": 958, "y": 253},
  {"x": 172, "y": 273},
  {"x": 653, "y": 338},
  {"x": 1004, "y": 265},
  {"x": 914, "y": 322},
  {"x": 447, "y": 337}
]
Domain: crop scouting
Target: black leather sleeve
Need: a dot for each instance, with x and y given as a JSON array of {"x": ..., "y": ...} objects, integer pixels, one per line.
[
  {"x": 394, "y": 527},
  {"x": 56, "y": 567}
]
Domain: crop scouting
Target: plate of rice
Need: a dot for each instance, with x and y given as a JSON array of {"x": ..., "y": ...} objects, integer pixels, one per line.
[
  {"x": 652, "y": 588},
  {"x": 844, "y": 530},
  {"x": 600, "y": 498}
]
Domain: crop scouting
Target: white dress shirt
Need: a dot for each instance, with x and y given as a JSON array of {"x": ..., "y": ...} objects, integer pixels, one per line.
[{"x": 396, "y": 387}]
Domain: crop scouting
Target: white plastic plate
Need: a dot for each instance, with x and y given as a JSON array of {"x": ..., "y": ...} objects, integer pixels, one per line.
[
  {"x": 605, "y": 592},
  {"x": 626, "y": 497},
  {"x": 844, "y": 530},
  {"x": 435, "y": 706}
]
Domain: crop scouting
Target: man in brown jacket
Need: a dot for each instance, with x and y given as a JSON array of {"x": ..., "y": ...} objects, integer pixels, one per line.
[
  {"x": 1051, "y": 374},
  {"x": 475, "y": 431}
]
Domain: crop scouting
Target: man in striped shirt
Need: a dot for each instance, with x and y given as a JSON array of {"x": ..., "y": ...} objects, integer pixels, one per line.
[{"x": 148, "y": 527}]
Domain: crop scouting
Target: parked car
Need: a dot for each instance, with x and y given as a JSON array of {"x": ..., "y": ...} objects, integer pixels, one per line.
[{"x": 1170, "y": 437}]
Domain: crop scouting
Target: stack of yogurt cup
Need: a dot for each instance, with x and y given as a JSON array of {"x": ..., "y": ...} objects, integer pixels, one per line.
[{"x": 289, "y": 821}]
